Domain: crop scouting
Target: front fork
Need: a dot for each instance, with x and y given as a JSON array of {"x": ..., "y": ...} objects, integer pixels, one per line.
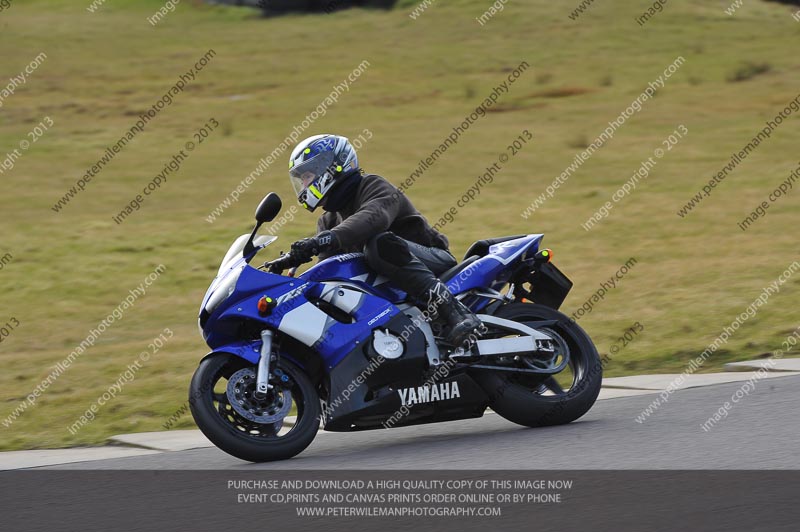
[{"x": 262, "y": 376}]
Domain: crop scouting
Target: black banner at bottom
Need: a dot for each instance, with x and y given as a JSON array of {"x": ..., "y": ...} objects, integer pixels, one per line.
[{"x": 399, "y": 500}]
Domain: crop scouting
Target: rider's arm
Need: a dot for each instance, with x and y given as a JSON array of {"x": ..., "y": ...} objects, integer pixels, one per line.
[
  {"x": 380, "y": 203},
  {"x": 323, "y": 224}
]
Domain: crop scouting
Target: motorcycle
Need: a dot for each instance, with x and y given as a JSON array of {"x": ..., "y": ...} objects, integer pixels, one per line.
[{"x": 339, "y": 347}]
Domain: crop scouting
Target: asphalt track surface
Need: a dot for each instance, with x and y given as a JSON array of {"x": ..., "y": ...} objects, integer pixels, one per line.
[{"x": 760, "y": 432}]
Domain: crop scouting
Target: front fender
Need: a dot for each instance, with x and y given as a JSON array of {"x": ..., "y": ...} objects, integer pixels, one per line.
[{"x": 249, "y": 350}]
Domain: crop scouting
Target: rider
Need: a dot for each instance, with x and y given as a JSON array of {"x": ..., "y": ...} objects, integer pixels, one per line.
[{"x": 364, "y": 212}]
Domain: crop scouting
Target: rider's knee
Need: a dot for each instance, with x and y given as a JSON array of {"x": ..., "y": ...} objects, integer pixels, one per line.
[{"x": 386, "y": 247}]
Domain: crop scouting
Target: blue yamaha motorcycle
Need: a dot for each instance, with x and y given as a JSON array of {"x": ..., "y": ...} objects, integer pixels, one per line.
[{"x": 340, "y": 347}]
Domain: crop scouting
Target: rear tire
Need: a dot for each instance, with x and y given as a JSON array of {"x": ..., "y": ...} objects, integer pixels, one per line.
[
  {"x": 518, "y": 398},
  {"x": 233, "y": 434}
]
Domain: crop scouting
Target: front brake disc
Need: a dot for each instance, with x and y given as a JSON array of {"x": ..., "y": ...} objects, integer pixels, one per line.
[{"x": 241, "y": 392}]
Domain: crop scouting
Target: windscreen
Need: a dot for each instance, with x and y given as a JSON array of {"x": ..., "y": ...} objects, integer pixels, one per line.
[{"x": 235, "y": 251}]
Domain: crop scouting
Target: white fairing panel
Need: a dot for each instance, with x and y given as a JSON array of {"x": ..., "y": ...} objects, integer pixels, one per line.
[
  {"x": 342, "y": 297},
  {"x": 306, "y": 323}
]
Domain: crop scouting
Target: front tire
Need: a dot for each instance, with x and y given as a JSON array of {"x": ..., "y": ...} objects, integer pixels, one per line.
[
  {"x": 244, "y": 438},
  {"x": 540, "y": 400}
]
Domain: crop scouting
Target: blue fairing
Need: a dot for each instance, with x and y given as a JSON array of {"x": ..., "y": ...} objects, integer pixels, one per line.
[
  {"x": 232, "y": 300},
  {"x": 494, "y": 269},
  {"x": 335, "y": 340},
  {"x": 352, "y": 267}
]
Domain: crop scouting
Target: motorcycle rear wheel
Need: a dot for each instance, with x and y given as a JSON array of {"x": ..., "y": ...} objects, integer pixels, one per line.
[{"x": 540, "y": 400}]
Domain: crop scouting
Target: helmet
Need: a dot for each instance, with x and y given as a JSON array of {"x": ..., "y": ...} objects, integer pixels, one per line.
[{"x": 316, "y": 164}]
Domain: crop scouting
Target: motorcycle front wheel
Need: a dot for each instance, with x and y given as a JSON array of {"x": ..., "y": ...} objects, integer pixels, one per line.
[{"x": 226, "y": 409}]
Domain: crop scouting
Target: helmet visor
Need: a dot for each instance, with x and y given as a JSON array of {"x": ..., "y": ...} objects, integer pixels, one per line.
[{"x": 305, "y": 173}]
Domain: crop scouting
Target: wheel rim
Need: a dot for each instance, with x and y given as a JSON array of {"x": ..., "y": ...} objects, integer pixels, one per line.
[
  {"x": 550, "y": 386},
  {"x": 562, "y": 382}
]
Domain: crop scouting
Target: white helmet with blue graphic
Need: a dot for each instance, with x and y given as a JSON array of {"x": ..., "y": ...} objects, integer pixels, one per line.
[{"x": 316, "y": 164}]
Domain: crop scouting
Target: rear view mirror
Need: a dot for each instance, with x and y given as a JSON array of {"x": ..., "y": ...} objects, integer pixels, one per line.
[
  {"x": 266, "y": 211},
  {"x": 269, "y": 208}
]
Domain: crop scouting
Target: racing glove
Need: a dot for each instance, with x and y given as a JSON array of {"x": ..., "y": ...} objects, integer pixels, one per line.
[{"x": 303, "y": 250}]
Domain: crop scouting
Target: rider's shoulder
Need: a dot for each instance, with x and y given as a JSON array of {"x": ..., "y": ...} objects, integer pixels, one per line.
[
  {"x": 372, "y": 178},
  {"x": 375, "y": 181}
]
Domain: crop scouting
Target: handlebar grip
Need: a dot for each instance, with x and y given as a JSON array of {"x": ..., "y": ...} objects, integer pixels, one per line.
[
  {"x": 279, "y": 264},
  {"x": 283, "y": 262}
]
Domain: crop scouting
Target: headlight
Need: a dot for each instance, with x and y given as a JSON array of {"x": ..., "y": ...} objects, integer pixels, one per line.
[{"x": 224, "y": 290}]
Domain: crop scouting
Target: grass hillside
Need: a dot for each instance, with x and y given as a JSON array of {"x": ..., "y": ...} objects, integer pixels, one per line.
[{"x": 70, "y": 269}]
